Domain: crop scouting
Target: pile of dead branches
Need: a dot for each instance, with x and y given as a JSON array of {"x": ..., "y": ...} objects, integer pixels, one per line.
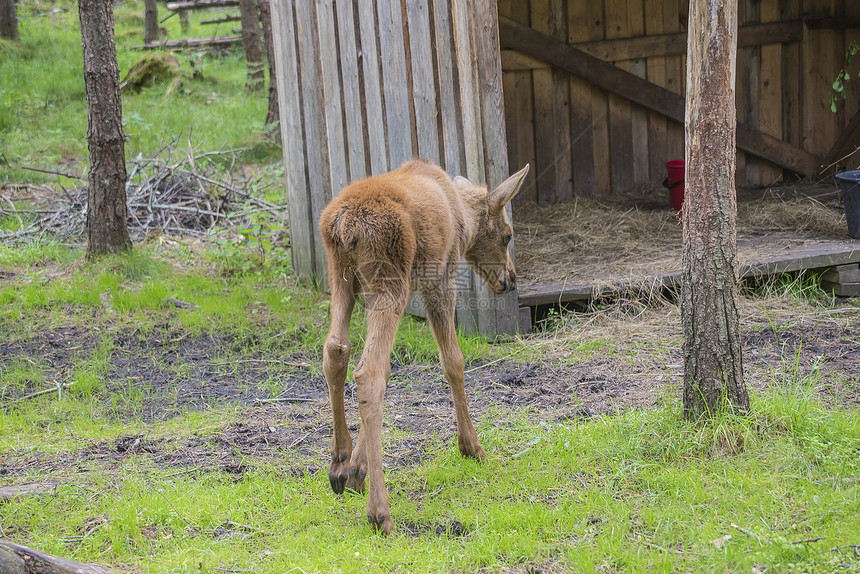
[{"x": 177, "y": 192}]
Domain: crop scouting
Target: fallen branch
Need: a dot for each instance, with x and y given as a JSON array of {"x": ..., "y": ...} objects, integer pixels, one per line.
[
  {"x": 8, "y": 493},
  {"x": 57, "y": 389},
  {"x": 17, "y": 559},
  {"x": 53, "y": 172},
  {"x": 284, "y": 400},
  {"x": 749, "y": 533}
]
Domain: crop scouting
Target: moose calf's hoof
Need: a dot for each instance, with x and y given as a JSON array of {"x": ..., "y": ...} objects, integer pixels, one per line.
[
  {"x": 381, "y": 523},
  {"x": 355, "y": 481},
  {"x": 338, "y": 472},
  {"x": 472, "y": 451}
]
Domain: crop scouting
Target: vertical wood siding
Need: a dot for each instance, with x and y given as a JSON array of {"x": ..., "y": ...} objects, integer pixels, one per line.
[
  {"x": 613, "y": 146},
  {"x": 365, "y": 85}
]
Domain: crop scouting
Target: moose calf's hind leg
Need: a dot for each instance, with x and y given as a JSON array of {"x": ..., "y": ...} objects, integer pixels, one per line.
[{"x": 335, "y": 364}]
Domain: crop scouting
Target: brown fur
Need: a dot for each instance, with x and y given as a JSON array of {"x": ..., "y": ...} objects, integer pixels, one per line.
[{"x": 385, "y": 236}]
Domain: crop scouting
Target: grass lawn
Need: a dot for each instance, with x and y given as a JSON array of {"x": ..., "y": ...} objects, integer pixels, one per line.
[{"x": 195, "y": 438}]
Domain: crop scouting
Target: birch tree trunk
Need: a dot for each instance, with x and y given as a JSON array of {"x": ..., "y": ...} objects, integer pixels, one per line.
[
  {"x": 107, "y": 212},
  {"x": 8, "y": 20},
  {"x": 713, "y": 370}
]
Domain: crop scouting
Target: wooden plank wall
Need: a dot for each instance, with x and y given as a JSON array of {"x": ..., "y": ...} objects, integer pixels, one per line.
[
  {"x": 583, "y": 141},
  {"x": 365, "y": 85}
]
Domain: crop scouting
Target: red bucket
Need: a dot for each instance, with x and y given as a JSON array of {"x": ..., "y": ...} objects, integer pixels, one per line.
[{"x": 675, "y": 183}]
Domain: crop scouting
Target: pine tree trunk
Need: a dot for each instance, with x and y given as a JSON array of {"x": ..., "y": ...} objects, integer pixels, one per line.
[
  {"x": 250, "y": 15},
  {"x": 713, "y": 370},
  {"x": 150, "y": 21},
  {"x": 107, "y": 226},
  {"x": 266, "y": 17},
  {"x": 8, "y": 20}
]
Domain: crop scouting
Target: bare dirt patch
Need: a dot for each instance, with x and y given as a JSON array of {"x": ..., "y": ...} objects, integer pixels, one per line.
[{"x": 174, "y": 373}]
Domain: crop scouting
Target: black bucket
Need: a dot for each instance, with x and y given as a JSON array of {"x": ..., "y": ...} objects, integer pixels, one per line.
[{"x": 849, "y": 185}]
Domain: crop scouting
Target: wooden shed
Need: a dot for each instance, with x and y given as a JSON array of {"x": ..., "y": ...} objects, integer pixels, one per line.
[{"x": 590, "y": 92}]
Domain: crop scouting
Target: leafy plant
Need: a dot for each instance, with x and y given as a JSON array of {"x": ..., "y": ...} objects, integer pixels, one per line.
[
  {"x": 257, "y": 245},
  {"x": 843, "y": 76}
]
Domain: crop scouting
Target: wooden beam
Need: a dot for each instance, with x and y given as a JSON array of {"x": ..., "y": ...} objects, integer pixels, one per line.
[
  {"x": 608, "y": 77},
  {"x": 190, "y": 43},
  {"x": 200, "y": 4},
  {"x": 673, "y": 44}
]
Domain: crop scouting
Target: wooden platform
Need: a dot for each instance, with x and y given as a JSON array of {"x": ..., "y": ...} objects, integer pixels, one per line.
[{"x": 774, "y": 253}]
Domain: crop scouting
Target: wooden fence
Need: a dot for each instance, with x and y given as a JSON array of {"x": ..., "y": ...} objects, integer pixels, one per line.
[
  {"x": 594, "y": 90},
  {"x": 365, "y": 85}
]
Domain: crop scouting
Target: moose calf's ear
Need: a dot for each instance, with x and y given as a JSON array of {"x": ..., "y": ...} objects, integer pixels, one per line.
[{"x": 506, "y": 191}]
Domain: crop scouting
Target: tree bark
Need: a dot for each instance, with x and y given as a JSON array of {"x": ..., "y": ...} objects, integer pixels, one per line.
[
  {"x": 8, "y": 20},
  {"x": 250, "y": 15},
  {"x": 150, "y": 21},
  {"x": 713, "y": 370},
  {"x": 107, "y": 225},
  {"x": 272, "y": 114},
  {"x": 17, "y": 559}
]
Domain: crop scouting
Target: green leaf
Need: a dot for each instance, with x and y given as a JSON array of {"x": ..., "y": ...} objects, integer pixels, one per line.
[
  {"x": 837, "y": 85},
  {"x": 833, "y": 106}
]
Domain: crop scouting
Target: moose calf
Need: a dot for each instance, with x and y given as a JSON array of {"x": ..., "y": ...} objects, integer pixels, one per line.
[{"x": 385, "y": 236}]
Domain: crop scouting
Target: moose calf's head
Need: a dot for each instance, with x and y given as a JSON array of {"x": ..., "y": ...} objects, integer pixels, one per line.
[{"x": 488, "y": 254}]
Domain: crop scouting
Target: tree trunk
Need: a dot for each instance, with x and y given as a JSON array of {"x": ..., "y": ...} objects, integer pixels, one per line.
[
  {"x": 266, "y": 18},
  {"x": 107, "y": 226},
  {"x": 150, "y": 21},
  {"x": 251, "y": 38},
  {"x": 17, "y": 559},
  {"x": 8, "y": 20},
  {"x": 713, "y": 371}
]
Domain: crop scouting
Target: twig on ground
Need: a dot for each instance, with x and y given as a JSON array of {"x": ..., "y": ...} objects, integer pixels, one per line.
[
  {"x": 284, "y": 400},
  {"x": 53, "y": 172},
  {"x": 805, "y": 540},
  {"x": 749, "y": 533},
  {"x": 57, "y": 389}
]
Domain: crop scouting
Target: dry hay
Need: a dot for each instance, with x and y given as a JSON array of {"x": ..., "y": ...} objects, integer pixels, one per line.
[{"x": 638, "y": 238}]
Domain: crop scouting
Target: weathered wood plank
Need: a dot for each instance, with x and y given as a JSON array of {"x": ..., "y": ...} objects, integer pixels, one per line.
[
  {"x": 562, "y": 161},
  {"x": 656, "y": 70},
  {"x": 423, "y": 88},
  {"x": 502, "y": 316},
  {"x": 581, "y": 124},
  {"x": 332, "y": 100},
  {"x": 523, "y": 147},
  {"x": 791, "y": 54},
  {"x": 352, "y": 97},
  {"x": 315, "y": 137},
  {"x": 815, "y": 255},
  {"x": 292, "y": 136},
  {"x": 644, "y": 93},
  {"x": 659, "y": 44},
  {"x": 748, "y": 68},
  {"x": 675, "y": 79},
  {"x": 447, "y": 72},
  {"x": 620, "y": 110},
  {"x": 375, "y": 142},
  {"x": 819, "y": 70},
  {"x": 395, "y": 88},
  {"x": 545, "y": 123},
  {"x": 770, "y": 90},
  {"x": 599, "y": 108},
  {"x": 469, "y": 297},
  {"x": 639, "y": 119}
]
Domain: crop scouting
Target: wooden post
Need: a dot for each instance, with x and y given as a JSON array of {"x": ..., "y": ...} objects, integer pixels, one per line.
[{"x": 713, "y": 370}]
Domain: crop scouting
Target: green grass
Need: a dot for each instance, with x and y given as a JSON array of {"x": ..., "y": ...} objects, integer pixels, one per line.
[
  {"x": 638, "y": 492},
  {"x": 43, "y": 117}
]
